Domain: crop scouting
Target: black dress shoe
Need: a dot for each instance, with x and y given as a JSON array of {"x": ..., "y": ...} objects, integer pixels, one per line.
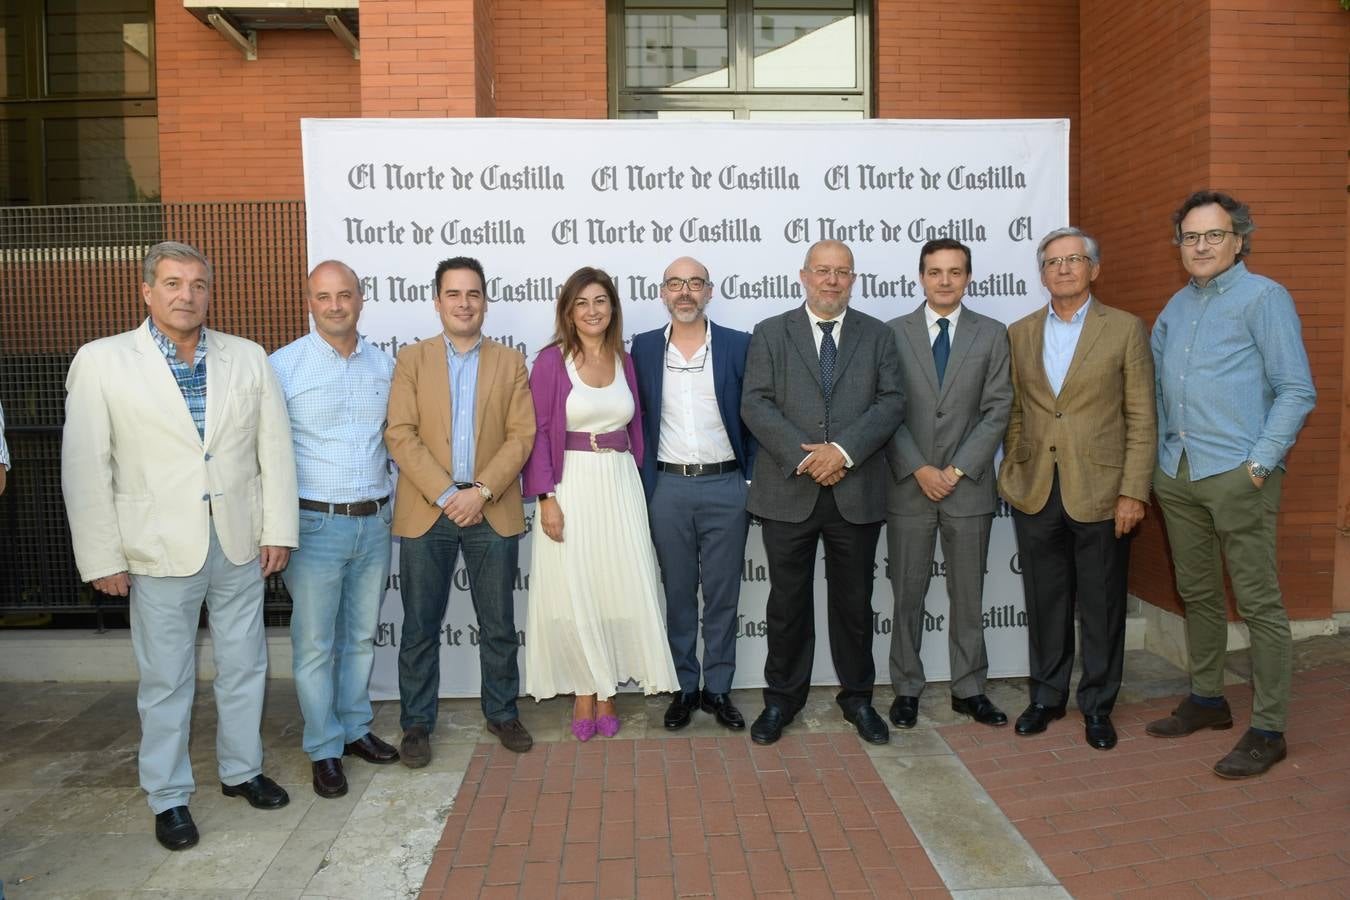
[
  {"x": 981, "y": 709},
  {"x": 870, "y": 726},
  {"x": 175, "y": 829},
  {"x": 372, "y": 750},
  {"x": 1099, "y": 731},
  {"x": 681, "y": 710},
  {"x": 328, "y": 778},
  {"x": 720, "y": 705},
  {"x": 768, "y": 728},
  {"x": 260, "y": 791},
  {"x": 905, "y": 711},
  {"x": 1037, "y": 717}
]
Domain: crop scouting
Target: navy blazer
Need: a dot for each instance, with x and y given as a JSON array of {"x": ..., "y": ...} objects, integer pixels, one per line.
[{"x": 729, "y": 348}]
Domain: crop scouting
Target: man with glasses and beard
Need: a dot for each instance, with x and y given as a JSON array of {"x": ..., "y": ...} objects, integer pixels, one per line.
[{"x": 689, "y": 377}]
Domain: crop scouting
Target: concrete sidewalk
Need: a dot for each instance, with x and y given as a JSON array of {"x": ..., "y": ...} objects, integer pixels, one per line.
[{"x": 819, "y": 814}]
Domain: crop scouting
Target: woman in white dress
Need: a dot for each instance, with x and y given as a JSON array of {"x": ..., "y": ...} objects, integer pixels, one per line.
[{"x": 594, "y": 620}]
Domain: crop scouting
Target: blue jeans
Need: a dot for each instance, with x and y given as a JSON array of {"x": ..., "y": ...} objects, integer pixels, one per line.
[
  {"x": 426, "y": 568},
  {"x": 336, "y": 580}
]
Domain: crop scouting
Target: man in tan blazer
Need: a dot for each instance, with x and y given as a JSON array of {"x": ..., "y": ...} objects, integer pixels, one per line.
[
  {"x": 1077, "y": 462},
  {"x": 461, "y": 425},
  {"x": 179, "y": 481}
]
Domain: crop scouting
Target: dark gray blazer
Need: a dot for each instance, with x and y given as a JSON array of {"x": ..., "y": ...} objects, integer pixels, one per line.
[
  {"x": 784, "y": 407},
  {"x": 961, "y": 424}
]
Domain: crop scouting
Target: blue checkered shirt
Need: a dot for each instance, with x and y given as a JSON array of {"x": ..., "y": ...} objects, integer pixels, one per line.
[
  {"x": 337, "y": 409},
  {"x": 191, "y": 377}
]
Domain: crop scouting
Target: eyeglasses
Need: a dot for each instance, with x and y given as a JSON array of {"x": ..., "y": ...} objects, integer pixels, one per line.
[
  {"x": 688, "y": 370},
  {"x": 1074, "y": 260},
  {"x": 679, "y": 284},
  {"x": 840, "y": 272},
  {"x": 1213, "y": 236}
]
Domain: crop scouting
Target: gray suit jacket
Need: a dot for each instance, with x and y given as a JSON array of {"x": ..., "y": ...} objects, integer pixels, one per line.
[
  {"x": 960, "y": 424},
  {"x": 784, "y": 407}
]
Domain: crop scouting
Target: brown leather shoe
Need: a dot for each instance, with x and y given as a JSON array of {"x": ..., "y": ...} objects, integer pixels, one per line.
[
  {"x": 1190, "y": 717},
  {"x": 1253, "y": 755},
  {"x": 512, "y": 734},
  {"x": 416, "y": 748},
  {"x": 329, "y": 781},
  {"x": 372, "y": 750}
]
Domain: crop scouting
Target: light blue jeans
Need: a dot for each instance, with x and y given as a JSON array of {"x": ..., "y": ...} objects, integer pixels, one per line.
[{"x": 336, "y": 580}]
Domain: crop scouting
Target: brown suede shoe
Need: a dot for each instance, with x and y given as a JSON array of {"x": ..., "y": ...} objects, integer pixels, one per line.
[
  {"x": 512, "y": 734},
  {"x": 1190, "y": 717},
  {"x": 1253, "y": 755}
]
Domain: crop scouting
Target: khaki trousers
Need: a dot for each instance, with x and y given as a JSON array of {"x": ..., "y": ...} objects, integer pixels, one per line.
[{"x": 1228, "y": 514}]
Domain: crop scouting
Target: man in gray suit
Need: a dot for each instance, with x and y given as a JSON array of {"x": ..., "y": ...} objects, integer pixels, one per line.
[
  {"x": 822, "y": 396},
  {"x": 954, "y": 367}
]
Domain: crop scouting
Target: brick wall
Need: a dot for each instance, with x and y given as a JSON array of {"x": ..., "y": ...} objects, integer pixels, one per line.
[
  {"x": 1250, "y": 98},
  {"x": 229, "y": 129},
  {"x": 944, "y": 60},
  {"x": 550, "y": 59},
  {"x": 418, "y": 58}
]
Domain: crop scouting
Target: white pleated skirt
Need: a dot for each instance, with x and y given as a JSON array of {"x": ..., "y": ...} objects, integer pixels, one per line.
[{"x": 595, "y": 619}]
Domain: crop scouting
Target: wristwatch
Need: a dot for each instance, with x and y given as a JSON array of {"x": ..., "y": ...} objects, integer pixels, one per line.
[
  {"x": 484, "y": 490},
  {"x": 1256, "y": 470}
]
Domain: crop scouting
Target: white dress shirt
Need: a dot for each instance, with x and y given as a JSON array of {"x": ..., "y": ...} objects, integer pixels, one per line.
[
  {"x": 691, "y": 423},
  {"x": 932, "y": 319}
]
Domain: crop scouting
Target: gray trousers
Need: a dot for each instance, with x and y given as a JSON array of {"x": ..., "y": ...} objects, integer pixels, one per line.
[
  {"x": 164, "y": 616},
  {"x": 699, "y": 527},
  {"x": 911, "y": 539}
]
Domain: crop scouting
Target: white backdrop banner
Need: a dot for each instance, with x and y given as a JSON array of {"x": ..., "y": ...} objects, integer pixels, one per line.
[{"x": 536, "y": 199}]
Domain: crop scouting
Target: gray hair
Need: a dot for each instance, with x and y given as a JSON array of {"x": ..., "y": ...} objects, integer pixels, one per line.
[
  {"x": 1239, "y": 212},
  {"x": 339, "y": 263},
  {"x": 1090, "y": 246},
  {"x": 806, "y": 261},
  {"x": 173, "y": 250}
]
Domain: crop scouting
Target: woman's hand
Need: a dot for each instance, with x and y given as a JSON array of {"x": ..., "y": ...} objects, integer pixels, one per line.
[{"x": 551, "y": 518}]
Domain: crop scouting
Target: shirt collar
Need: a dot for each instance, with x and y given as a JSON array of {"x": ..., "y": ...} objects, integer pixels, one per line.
[
  {"x": 931, "y": 317},
  {"x": 319, "y": 343},
  {"x": 1225, "y": 280},
  {"x": 1075, "y": 319},
  {"x": 450, "y": 348},
  {"x": 816, "y": 320},
  {"x": 707, "y": 332},
  {"x": 170, "y": 349}
]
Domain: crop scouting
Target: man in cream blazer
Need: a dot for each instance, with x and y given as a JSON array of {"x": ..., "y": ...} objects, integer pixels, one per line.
[{"x": 179, "y": 482}]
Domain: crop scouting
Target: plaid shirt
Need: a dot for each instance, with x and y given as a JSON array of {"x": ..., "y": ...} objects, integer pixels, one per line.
[{"x": 191, "y": 378}]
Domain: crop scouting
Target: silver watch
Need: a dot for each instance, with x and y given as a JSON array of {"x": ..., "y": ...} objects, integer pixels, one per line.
[{"x": 1256, "y": 470}]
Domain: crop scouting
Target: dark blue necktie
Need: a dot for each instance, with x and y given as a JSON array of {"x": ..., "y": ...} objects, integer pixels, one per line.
[
  {"x": 827, "y": 355},
  {"x": 942, "y": 348}
]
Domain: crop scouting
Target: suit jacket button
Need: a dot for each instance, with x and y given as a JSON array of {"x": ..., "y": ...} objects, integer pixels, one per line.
[
  {"x": 939, "y": 413},
  {"x": 1058, "y": 414},
  {"x": 1052, "y": 449}
]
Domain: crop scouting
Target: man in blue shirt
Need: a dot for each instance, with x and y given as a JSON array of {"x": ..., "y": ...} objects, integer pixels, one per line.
[
  {"x": 336, "y": 386},
  {"x": 1233, "y": 390}
]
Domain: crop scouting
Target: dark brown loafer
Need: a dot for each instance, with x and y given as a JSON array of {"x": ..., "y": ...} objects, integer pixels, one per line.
[
  {"x": 416, "y": 748},
  {"x": 1253, "y": 755},
  {"x": 512, "y": 734},
  {"x": 1190, "y": 717},
  {"x": 372, "y": 750},
  {"x": 329, "y": 781}
]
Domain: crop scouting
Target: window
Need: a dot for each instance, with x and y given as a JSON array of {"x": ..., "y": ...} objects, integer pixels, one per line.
[
  {"x": 778, "y": 60},
  {"x": 77, "y": 111}
]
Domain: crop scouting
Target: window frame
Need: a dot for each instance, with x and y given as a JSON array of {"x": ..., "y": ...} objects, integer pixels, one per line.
[
  {"x": 740, "y": 96},
  {"x": 37, "y": 105}
]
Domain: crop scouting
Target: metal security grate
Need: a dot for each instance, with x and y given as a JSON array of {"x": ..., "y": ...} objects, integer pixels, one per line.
[{"x": 70, "y": 274}]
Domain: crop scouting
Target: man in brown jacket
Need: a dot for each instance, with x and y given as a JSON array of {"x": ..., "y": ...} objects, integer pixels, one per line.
[
  {"x": 461, "y": 425},
  {"x": 1078, "y": 460}
]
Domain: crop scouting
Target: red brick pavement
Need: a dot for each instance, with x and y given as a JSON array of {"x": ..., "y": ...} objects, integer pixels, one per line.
[
  {"x": 1151, "y": 818},
  {"x": 806, "y": 817}
]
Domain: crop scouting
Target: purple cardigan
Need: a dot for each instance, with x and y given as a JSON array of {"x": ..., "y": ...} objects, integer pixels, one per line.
[{"x": 550, "y": 386}]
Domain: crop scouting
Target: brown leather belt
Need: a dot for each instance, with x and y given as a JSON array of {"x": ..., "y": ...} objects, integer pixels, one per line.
[
  {"x": 693, "y": 470},
  {"x": 360, "y": 508}
]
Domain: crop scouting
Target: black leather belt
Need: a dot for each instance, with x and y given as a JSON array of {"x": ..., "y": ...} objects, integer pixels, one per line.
[
  {"x": 693, "y": 470},
  {"x": 360, "y": 508}
]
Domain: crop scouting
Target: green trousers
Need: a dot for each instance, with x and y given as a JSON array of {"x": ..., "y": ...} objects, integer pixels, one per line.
[{"x": 1227, "y": 513}]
